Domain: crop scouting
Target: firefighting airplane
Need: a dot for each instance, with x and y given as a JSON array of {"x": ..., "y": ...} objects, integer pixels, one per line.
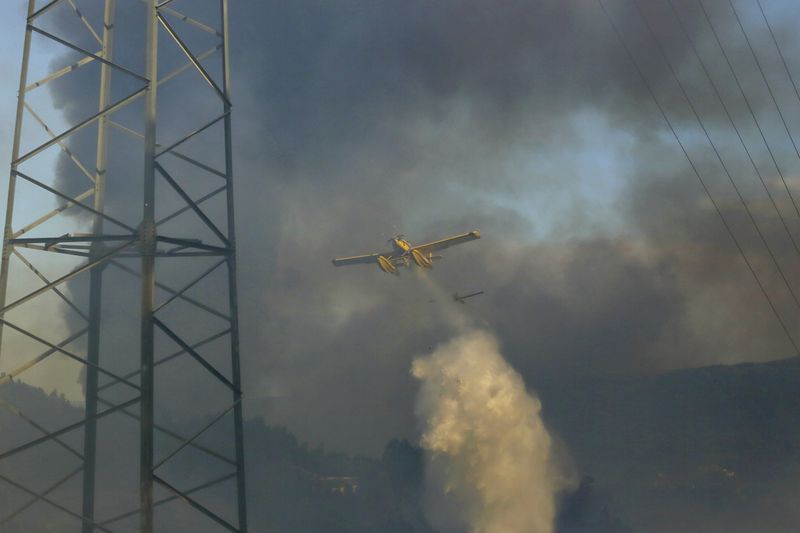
[{"x": 404, "y": 252}]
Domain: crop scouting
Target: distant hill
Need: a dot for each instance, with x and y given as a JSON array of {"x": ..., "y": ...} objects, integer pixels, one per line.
[
  {"x": 709, "y": 449},
  {"x": 291, "y": 488}
]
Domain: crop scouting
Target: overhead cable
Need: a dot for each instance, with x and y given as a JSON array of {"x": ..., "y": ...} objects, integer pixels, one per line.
[
  {"x": 749, "y": 107},
  {"x": 735, "y": 127},
  {"x": 700, "y": 178},
  {"x": 764, "y": 77},
  {"x": 719, "y": 157},
  {"x": 778, "y": 48}
]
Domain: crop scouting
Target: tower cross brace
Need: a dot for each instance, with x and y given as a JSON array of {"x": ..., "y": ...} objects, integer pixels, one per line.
[{"x": 84, "y": 250}]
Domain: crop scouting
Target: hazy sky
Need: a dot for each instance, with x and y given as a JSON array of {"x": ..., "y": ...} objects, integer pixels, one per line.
[{"x": 600, "y": 253}]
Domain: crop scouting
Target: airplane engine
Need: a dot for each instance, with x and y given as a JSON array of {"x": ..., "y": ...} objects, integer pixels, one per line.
[
  {"x": 421, "y": 260},
  {"x": 386, "y": 265}
]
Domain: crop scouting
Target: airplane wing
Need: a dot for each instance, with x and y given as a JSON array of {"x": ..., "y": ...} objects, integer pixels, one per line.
[
  {"x": 360, "y": 259},
  {"x": 448, "y": 242}
]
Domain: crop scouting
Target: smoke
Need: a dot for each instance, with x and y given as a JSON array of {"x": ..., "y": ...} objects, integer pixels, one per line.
[
  {"x": 491, "y": 462},
  {"x": 440, "y": 117}
]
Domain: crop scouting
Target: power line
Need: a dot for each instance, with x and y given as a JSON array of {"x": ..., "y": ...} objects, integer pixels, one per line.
[
  {"x": 778, "y": 48},
  {"x": 719, "y": 157},
  {"x": 749, "y": 106},
  {"x": 699, "y": 177},
  {"x": 735, "y": 128},
  {"x": 764, "y": 77}
]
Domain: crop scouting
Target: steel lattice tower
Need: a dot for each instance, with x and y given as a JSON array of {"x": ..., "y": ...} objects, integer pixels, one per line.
[{"x": 99, "y": 242}]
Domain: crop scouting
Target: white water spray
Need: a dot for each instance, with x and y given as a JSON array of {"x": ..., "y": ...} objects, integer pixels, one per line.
[{"x": 490, "y": 458}]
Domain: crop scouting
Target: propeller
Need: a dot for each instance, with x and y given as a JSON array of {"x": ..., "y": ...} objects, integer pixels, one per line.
[{"x": 395, "y": 234}]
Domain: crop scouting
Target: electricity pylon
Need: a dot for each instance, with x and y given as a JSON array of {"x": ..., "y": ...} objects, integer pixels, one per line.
[{"x": 90, "y": 230}]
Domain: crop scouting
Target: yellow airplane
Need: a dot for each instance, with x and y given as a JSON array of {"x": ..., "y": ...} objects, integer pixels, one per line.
[{"x": 404, "y": 252}]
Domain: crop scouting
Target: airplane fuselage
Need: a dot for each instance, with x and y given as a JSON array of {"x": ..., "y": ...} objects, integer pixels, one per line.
[
  {"x": 404, "y": 253},
  {"x": 401, "y": 245}
]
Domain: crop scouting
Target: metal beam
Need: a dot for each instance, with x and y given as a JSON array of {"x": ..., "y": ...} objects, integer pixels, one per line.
[
  {"x": 66, "y": 429},
  {"x": 190, "y": 440},
  {"x": 9, "y": 376},
  {"x": 149, "y": 243},
  {"x": 42, "y": 277},
  {"x": 205, "y": 27},
  {"x": 185, "y": 497},
  {"x": 198, "y": 164},
  {"x": 69, "y": 237},
  {"x": 16, "y": 411},
  {"x": 186, "y": 208},
  {"x": 85, "y": 22},
  {"x": 54, "y": 249},
  {"x": 47, "y": 7},
  {"x": 55, "y": 212},
  {"x": 69, "y": 354},
  {"x": 190, "y": 135},
  {"x": 179, "y": 253},
  {"x": 60, "y": 72},
  {"x": 61, "y": 144},
  {"x": 96, "y": 274},
  {"x": 167, "y": 78},
  {"x": 173, "y": 434},
  {"x": 85, "y": 52},
  {"x": 66, "y": 277},
  {"x": 68, "y": 198},
  {"x": 194, "y": 243},
  {"x": 42, "y": 497},
  {"x": 170, "y": 290},
  {"x": 191, "y": 203},
  {"x": 167, "y": 358},
  {"x": 12, "y": 180},
  {"x": 188, "y": 286},
  {"x": 111, "y": 109},
  {"x": 233, "y": 297},
  {"x": 172, "y": 152},
  {"x": 185, "y": 49},
  {"x": 168, "y": 499},
  {"x": 196, "y": 23},
  {"x": 197, "y": 357},
  {"x": 39, "y": 496}
]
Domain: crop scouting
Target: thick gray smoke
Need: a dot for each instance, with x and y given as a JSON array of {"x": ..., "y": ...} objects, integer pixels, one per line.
[
  {"x": 522, "y": 119},
  {"x": 491, "y": 467}
]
